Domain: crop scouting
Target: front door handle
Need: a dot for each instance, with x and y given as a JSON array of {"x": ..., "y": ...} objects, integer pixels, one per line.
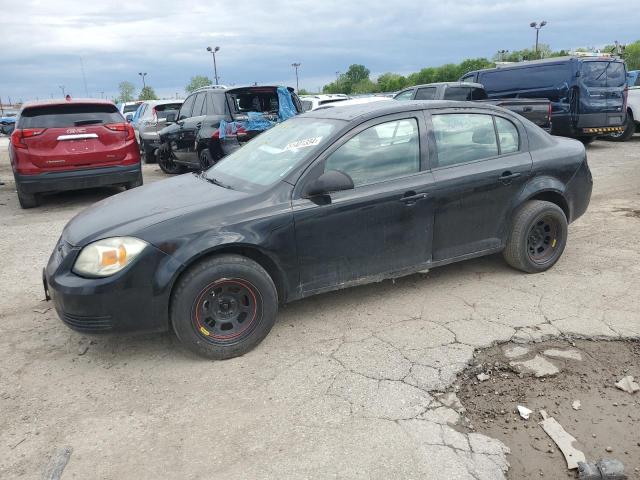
[
  {"x": 198, "y": 125},
  {"x": 507, "y": 176},
  {"x": 411, "y": 199}
]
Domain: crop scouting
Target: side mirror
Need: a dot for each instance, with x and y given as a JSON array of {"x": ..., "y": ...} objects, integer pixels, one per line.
[
  {"x": 171, "y": 118},
  {"x": 330, "y": 181},
  {"x": 129, "y": 117}
]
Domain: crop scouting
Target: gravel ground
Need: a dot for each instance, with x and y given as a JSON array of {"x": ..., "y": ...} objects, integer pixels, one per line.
[
  {"x": 605, "y": 422},
  {"x": 347, "y": 385}
]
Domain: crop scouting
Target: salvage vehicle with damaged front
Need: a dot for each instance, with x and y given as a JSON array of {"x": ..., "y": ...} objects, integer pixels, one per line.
[
  {"x": 332, "y": 198},
  {"x": 214, "y": 121}
]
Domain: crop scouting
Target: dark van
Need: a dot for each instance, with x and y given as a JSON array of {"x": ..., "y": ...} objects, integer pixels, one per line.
[{"x": 588, "y": 95}]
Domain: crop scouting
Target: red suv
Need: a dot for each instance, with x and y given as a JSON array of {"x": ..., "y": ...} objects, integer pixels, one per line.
[{"x": 72, "y": 144}]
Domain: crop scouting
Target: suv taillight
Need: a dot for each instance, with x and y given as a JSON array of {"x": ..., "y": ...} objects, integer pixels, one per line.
[
  {"x": 19, "y": 135},
  {"x": 121, "y": 127},
  {"x": 625, "y": 95}
]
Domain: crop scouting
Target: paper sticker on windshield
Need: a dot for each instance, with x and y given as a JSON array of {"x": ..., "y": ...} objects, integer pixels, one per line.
[{"x": 307, "y": 142}]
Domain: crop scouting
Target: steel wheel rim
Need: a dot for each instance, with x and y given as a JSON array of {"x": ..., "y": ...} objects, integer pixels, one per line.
[
  {"x": 226, "y": 310},
  {"x": 542, "y": 239}
]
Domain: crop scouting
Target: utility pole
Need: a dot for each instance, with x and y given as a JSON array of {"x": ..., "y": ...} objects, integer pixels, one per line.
[
  {"x": 296, "y": 65},
  {"x": 61, "y": 87},
  {"x": 215, "y": 66},
  {"x": 1, "y": 107},
  {"x": 537, "y": 27},
  {"x": 144, "y": 85},
  {"x": 84, "y": 78}
]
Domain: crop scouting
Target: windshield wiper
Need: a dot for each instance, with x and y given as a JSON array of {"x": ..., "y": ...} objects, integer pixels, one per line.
[
  {"x": 215, "y": 181},
  {"x": 87, "y": 122}
]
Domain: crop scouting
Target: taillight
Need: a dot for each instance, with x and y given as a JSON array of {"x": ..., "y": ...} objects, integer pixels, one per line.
[
  {"x": 625, "y": 94},
  {"x": 549, "y": 110},
  {"x": 121, "y": 127},
  {"x": 19, "y": 135}
]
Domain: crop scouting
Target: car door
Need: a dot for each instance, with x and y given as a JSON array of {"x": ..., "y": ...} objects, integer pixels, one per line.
[
  {"x": 382, "y": 225},
  {"x": 189, "y": 121},
  {"x": 481, "y": 161}
]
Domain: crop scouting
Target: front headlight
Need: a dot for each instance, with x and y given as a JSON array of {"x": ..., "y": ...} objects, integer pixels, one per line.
[{"x": 108, "y": 256}]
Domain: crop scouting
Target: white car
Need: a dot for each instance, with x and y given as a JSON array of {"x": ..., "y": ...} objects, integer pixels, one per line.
[
  {"x": 633, "y": 114},
  {"x": 311, "y": 102},
  {"x": 128, "y": 109}
]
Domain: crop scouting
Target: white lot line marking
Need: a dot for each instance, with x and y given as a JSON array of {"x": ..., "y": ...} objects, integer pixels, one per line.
[{"x": 564, "y": 441}]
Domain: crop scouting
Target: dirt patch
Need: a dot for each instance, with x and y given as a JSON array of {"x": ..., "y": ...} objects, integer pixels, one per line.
[
  {"x": 629, "y": 212},
  {"x": 605, "y": 423}
]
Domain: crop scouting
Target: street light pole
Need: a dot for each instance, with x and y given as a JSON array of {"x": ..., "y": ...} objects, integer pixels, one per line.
[
  {"x": 296, "y": 65},
  {"x": 61, "y": 87},
  {"x": 537, "y": 27},
  {"x": 215, "y": 66},
  {"x": 144, "y": 85},
  {"x": 502, "y": 54}
]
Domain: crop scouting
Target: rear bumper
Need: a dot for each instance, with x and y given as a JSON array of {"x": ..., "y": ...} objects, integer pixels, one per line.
[
  {"x": 78, "y": 179},
  {"x": 578, "y": 192}
]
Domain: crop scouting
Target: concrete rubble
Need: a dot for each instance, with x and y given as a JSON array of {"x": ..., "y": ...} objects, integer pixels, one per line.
[{"x": 628, "y": 384}]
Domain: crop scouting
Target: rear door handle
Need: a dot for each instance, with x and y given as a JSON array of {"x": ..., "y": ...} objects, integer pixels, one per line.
[
  {"x": 506, "y": 177},
  {"x": 411, "y": 199},
  {"x": 527, "y": 109}
]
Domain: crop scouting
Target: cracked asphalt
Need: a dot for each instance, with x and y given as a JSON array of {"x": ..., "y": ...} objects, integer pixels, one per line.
[{"x": 348, "y": 384}]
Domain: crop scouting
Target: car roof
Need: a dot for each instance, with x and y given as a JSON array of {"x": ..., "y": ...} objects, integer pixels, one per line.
[
  {"x": 163, "y": 102},
  {"x": 451, "y": 84},
  {"x": 376, "y": 109},
  {"x": 62, "y": 101}
]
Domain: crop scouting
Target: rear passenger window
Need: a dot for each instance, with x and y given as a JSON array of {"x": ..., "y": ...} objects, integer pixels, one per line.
[
  {"x": 457, "y": 93},
  {"x": 198, "y": 104},
  {"x": 508, "y": 135},
  {"x": 382, "y": 152},
  {"x": 462, "y": 138},
  {"x": 426, "y": 93}
]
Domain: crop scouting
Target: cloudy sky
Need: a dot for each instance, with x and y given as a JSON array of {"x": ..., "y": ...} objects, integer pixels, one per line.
[{"x": 43, "y": 42}]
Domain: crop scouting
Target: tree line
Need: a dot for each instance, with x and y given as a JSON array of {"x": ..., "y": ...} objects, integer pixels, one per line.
[{"x": 356, "y": 80}]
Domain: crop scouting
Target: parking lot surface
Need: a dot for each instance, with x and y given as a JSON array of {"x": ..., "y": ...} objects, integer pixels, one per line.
[{"x": 345, "y": 386}]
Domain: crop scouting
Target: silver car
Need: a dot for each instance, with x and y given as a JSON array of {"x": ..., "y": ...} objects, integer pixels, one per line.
[{"x": 150, "y": 120}]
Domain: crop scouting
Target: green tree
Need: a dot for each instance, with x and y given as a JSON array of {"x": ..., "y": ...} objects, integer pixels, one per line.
[
  {"x": 147, "y": 93},
  {"x": 356, "y": 73},
  {"x": 197, "y": 82},
  {"x": 364, "y": 86},
  {"x": 302, "y": 91},
  {"x": 126, "y": 91},
  {"x": 631, "y": 55},
  {"x": 391, "y": 82}
]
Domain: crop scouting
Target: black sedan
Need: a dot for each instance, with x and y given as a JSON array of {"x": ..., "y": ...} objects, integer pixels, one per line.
[{"x": 326, "y": 200}]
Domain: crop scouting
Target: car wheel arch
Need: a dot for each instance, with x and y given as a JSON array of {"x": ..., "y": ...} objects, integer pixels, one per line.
[
  {"x": 545, "y": 188},
  {"x": 252, "y": 252}
]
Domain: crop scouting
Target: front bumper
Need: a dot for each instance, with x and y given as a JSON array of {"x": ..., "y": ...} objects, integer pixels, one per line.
[
  {"x": 135, "y": 299},
  {"x": 78, "y": 179}
]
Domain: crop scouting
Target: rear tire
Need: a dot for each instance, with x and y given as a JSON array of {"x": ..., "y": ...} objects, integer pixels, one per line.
[
  {"x": 224, "y": 306},
  {"x": 136, "y": 183},
  {"x": 626, "y": 134},
  {"x": 27, "y": 200},
  {"x": 148, "y": 152},
  {"x": 587, "y": 140},
  {"x": 537, "y": 238}
]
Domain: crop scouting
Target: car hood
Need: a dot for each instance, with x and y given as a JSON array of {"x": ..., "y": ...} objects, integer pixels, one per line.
[{"x": 129, "y": 212}]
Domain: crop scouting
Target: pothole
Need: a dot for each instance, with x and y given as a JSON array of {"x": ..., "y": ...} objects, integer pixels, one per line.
[{"x": 573, "y": 382}]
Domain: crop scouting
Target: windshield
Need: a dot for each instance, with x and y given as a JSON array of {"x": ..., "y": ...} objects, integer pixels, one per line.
[{"x": 271, "y": 155}]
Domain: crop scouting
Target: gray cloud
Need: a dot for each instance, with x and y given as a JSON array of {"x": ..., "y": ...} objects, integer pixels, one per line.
[{"x": 44, "y": 40}]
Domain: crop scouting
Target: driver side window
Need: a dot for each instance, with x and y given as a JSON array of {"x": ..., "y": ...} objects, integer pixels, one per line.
[
  {"x": 187, "y": 106},
  {"x": 379, "y": 153}
]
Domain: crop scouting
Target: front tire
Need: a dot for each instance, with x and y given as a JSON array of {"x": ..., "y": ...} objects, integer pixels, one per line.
[
  {"x": 537, "y": 238},
  {"x": 224, "y": 306},
  {"x": 166, "y": 162},
  {"x": 206, "y": 160}
]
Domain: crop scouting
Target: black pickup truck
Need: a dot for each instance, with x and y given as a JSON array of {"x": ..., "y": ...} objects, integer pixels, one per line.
[{"x": 536, "y": 110}]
